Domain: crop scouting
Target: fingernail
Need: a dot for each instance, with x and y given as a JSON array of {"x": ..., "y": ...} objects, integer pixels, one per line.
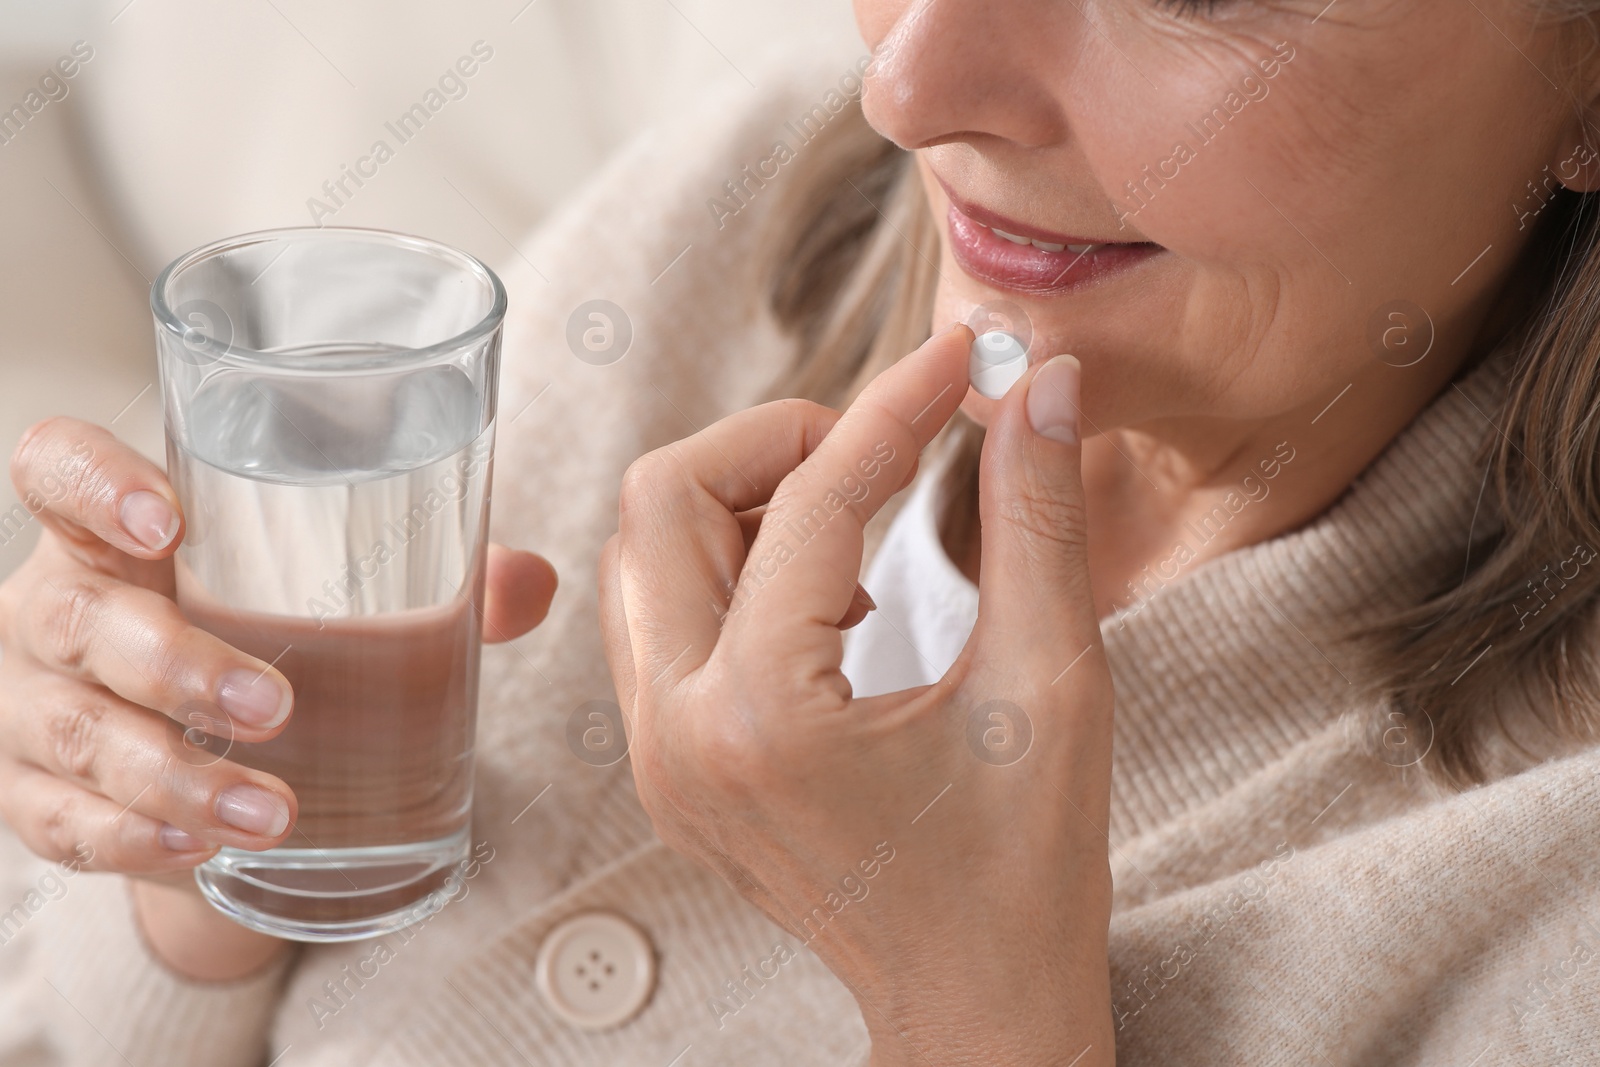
[
  {"x": 178, "y": 841},
  {"x": 253, "y": 810},
  {"x": 149, "y": 519},
  {"x": 1053, "y": 400},
  {"x": 866, "y": 598},
  {"x": 254, "y": 699}
]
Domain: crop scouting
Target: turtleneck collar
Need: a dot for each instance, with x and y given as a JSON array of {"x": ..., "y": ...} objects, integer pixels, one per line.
[{"x": 1227, "y": 666}]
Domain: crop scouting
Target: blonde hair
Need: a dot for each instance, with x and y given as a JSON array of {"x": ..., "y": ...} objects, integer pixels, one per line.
[{"x": 853, "y": 274}]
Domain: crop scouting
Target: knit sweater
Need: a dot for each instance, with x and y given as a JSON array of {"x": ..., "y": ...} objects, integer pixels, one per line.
[{"x": 1280, "y": 895}]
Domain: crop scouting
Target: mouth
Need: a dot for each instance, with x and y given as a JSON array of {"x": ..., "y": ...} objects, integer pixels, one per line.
[{"x": 1009, "y": 254}]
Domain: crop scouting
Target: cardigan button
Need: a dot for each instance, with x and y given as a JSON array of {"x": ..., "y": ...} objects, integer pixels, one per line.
[{"x": 595, "y": 970}]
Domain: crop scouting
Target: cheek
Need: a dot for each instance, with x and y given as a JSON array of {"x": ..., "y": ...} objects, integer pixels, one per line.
[
  {"x": 874, "y": 18},
  {"x": 1340, "y": 183},
  {"x": 1297, "y": 200},
  {"x": 1190, "y": 335},
  {"x": 1205, "y": 176}
]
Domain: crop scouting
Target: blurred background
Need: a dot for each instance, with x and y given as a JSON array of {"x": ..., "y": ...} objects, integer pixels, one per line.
[{"x": 184, "y": 121}]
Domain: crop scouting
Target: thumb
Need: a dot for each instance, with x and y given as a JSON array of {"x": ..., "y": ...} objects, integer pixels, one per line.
[{"x": 1035, "y": 609}]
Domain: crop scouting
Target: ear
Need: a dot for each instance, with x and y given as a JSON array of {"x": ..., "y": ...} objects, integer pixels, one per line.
[
  {"x": 1577, "y": 164},
  {"x": 1575, "y": 160}
]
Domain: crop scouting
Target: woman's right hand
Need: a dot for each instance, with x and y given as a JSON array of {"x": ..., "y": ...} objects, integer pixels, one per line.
[{"x": 107, "y": 692}]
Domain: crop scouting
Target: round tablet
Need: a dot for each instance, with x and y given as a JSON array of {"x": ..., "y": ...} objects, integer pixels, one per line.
[{"x": 997, "y": 360}]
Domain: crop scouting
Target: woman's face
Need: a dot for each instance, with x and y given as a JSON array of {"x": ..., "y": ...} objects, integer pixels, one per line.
[{"x": 1261, "y": 180}]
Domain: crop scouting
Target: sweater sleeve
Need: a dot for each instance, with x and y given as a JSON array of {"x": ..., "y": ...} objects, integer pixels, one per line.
[{"x": 102, "y": 997}]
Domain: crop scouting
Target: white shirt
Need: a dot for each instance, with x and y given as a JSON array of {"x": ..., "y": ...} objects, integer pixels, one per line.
[{"x": 926, "y": 606}]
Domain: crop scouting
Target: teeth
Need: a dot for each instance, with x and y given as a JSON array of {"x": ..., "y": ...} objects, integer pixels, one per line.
[{"x": 1044, "y": 246}]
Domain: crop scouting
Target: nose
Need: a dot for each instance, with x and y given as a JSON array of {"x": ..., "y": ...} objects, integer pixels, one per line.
[{"x": 967, "y": 70}]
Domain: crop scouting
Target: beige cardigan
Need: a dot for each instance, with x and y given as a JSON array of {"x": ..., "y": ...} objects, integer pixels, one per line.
[{"x": 1280, "y": 897}]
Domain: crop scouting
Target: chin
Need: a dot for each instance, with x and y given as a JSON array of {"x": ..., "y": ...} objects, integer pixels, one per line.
[{"x": 959, "y": 306}]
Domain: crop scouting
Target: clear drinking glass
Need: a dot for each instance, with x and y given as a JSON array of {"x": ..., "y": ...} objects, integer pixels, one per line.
[{"x": 330, "y": 412}]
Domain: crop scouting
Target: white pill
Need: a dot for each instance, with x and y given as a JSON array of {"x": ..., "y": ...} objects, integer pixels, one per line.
[{"x": 997, "y": 360}]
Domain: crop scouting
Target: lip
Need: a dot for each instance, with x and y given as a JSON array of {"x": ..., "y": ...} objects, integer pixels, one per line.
[{"x": 1025, "y": 269}]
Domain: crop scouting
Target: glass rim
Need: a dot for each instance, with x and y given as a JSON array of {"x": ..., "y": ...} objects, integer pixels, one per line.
[{"x": 226, "y": 352}]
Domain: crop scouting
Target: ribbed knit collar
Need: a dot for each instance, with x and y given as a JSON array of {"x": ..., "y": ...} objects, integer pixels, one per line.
[{"x": 1233, "y": 663}]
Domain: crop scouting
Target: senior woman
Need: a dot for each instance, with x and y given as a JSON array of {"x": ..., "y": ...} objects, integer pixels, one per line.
[{"x": 1224, "y": 692}]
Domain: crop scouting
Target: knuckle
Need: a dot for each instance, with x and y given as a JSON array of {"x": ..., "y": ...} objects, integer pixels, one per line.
[
  {"x": 73, "y": 736},
  {"x": 653, "y": 485},
  {"x": 45, "y": 469},
  {"x": 1053, "y": 519},
  {"x": 803, "y": 411},
  {"x": 122, "y": 849},
  {"x": 87, "y": 480},
  {"x": 178, "y": 780},
  {"x": 884, "y": 416},
  {"x": 790, "y": 496},
  {"x": 24, "y": 458},
  {"x": 168, "y": 665},
  {"x": 645, "y": 478},
  {"x": 66, "y": 624},
  {"x": 58, "y": 833}
]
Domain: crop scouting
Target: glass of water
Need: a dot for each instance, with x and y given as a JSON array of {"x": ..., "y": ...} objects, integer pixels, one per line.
[{"x": 330, "y": 413}]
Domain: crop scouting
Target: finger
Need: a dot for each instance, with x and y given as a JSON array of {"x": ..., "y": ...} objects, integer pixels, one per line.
[
  {"x": 911, "y": 475},
  {"x": 517, "y": 589},
  {"x": 614, "y": 626},
  {"x": 1035, "y": 607},
  {"x": 750, "y": 525},
  {"x": 681, "y": 544},
  {"x": 68, "y": 825},
  {"x": 860, "y": 604},
  {"x": 137, "y": 643},
  {"x": 808, "y": 554},
  {"x": 86, "y": 485},
  {"x": 143, "y": 761},
  {"x": 750, "y": 521}
]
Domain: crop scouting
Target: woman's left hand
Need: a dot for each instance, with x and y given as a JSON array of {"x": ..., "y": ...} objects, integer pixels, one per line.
[{"x": 942, "y": 849}]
